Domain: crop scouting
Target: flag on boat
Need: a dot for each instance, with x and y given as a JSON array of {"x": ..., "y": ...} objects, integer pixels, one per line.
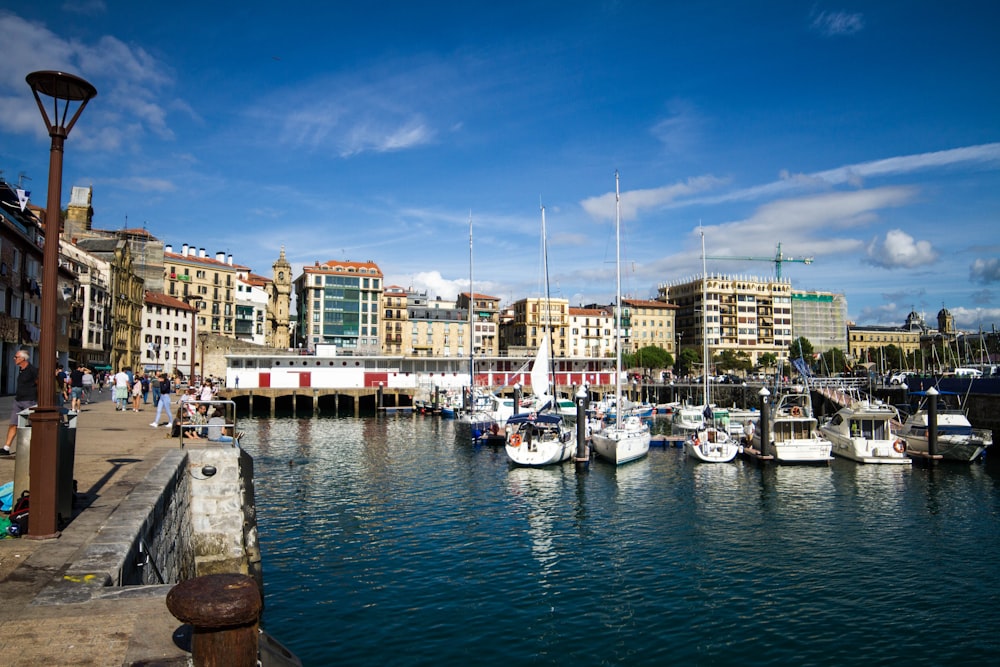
[{"x": 802, "y": 367}]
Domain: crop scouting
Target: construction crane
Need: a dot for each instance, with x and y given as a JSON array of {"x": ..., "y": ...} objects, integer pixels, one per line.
[{"x": 778, "y": 260}]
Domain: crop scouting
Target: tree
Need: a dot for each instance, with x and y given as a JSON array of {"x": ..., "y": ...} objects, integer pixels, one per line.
[
  {"x": 728, "y": 360},
  {"x": 649, "y": 357},
  {"x": 834, "y": 360},
  {"x": 687, "y": 360},
  {"x": 768, "y": 360},
  {"x": 801, "y": 347}
]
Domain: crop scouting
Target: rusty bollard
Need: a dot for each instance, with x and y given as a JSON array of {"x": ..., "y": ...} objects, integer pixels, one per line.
[{"x": 224, "y": 611}]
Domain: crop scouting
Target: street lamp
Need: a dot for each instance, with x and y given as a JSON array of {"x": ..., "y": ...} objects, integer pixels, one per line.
[
  {"x": 62, "y": 88},
  {"x": 202, "y": 337}
]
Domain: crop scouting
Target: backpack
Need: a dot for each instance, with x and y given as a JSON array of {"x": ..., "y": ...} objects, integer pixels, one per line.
[{"x": 19, "y": 516}]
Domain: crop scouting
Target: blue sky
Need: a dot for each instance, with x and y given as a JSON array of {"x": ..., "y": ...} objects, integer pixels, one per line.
[{"x": 865, "y": 135}]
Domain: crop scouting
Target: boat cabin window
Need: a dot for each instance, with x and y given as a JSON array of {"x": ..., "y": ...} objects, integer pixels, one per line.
[{"x": 870, "y": 429}]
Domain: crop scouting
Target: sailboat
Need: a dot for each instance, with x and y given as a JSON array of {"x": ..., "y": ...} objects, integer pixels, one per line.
[
  {"x": 710, "y": 443},
  {"x": 540, "y": 438},
  {"x": 627, "y": 438},
  {"x": 477, "y": 413}
]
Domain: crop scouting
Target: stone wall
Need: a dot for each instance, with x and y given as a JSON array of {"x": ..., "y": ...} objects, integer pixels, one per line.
[{"x": 193, "y": 514}]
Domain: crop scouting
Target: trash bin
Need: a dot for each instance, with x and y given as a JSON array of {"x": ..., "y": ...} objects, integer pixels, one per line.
[{"x": 65, "y": 461}]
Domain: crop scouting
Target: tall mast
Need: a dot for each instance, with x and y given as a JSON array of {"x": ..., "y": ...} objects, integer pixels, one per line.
[
  {"x": 472, "y": 326},
  {"x": 548, "y": 312},
  {"x": 704, "y": 320},
  {"x": 618, "y": 301}
]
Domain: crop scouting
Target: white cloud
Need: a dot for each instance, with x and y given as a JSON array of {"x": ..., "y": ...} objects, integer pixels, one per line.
[
  {"x": 130, "y": 85},
  {"x": 838, "y": 23},
  {"x": 900, "y": 250},
  {"x": 679, "y": 130},
  {"x": 985, "y": 271},
  {"x": 633, "y": 202}
]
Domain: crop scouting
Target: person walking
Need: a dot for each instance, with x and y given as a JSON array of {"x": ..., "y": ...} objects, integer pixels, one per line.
[
  {"x": 144, "y": 380},
  {"x": 121, "y": 390},
  {"x": 76, "y": 388},
  {"x": 88, "y": 385},
  {"x": 163, "y": 405},
  {"x": 136, "y": 393},
  {"x": 25, "y": 395}
]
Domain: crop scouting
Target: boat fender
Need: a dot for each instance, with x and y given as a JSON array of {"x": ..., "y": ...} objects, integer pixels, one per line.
[
  {"x": 515, "y": 440},
  {"x": 695, "y": 441},
  {"x": 796, "y": 411},
  {"x": 899, "y": 446}
]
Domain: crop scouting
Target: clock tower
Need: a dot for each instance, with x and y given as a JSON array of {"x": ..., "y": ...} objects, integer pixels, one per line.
[{"x": 279, "y": 303}]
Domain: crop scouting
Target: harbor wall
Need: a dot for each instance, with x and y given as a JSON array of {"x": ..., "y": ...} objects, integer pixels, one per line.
[{"x": 192, "y": 514}]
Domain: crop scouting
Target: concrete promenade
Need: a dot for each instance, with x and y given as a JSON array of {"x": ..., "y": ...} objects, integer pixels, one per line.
[{"x": 114, "y": 452}]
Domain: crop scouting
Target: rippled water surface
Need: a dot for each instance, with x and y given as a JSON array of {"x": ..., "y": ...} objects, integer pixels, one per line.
[{"x": 395, "y": 541}]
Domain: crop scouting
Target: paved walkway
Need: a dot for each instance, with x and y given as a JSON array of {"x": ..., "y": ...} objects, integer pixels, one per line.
[{"x": 114, "y": 451}]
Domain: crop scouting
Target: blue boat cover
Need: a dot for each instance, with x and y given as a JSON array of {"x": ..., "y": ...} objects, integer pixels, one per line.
[{"x": 537, "y": 417}]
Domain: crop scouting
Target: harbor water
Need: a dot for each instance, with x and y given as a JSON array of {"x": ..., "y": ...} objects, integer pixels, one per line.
[{"x": 395, "y": 541}]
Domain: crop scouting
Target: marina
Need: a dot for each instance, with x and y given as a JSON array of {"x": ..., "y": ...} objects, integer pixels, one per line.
[{"x": 395, "y": 539}]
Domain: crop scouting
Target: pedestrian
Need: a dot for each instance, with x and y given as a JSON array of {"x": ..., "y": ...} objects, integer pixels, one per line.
[
  {"x": 163, "y": 405},
  {"x": 25, "y": 395},
  {"x": 144, "y": 381},
  {"x": 76, "y": 388},
  {"x": 237, "y": 381},
  {"x": 136, "y": 393},
  {"x": 154, "y": 384},
  {"x": 88, "y": 385},
  {"x": 121, "y": 390}
]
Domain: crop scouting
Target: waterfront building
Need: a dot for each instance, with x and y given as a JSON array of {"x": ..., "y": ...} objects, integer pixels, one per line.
[
  {"x": 651, "y": 324},
  {"x": 339, "y": 304},
  {"x": 279, "y": 298},
  {"x": 437, "y": 328},
  {"x": 820, "y": 318},
  {"x": 167, "y": 334},
  {"x": 866, "y": 342},
  {"x": 21, "y": 241},
  {"x": 395, "y": 321},
  {"x": 591, "y": 332},
  {"x": 252, "y": 298},
  {"x": 531, "y": 320},
  {"x": 207, "y": 283},
  {"x": 486, "y": 311},
  {"x": 739, "y": 313},
  {"x": 89, "y": 307},
  {"x": 127, "y": 293},
  {"x": 145, "y": 248}
]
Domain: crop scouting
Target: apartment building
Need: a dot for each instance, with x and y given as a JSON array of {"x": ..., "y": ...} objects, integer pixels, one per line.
[
  {"x": 738, "y": 313},
  {"x": 651, "y": 324},
  {"x": 339, "y": 304},
  {"x": 208, "y": 283},
  {"x": 591, "y": 332},
  {"x": 168, "y": 334}
]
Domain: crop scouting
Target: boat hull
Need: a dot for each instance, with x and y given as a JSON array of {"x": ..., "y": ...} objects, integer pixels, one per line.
[
  {"x": 864, "y": 450},
  {"x": 951, "y": 447},
  {"x": 541, "y": 453},
  {"x": 619, "y": 448},
  {"x": 711, "y": 452}
]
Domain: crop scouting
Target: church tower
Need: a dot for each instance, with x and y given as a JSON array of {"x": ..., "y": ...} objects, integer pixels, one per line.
[{"x": 279, "y": 303}]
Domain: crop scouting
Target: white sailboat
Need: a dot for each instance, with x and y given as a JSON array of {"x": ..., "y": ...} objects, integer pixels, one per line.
[
  {"x": 627, "y": 438},
  {"x": 476, "y": 411},
  {"x": 540, "y": 437},
  {"x": 711, "y": 443}
]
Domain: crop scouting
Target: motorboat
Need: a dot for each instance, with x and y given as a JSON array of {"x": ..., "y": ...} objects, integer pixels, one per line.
[
  {"x": 956, "y": 439},
  {"x": 863, "y": 431},
  {"x": 792, "y": 434}
]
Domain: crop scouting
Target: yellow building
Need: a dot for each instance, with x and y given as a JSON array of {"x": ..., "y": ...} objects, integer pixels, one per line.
[
  {"x": 207, "y": 283},
  {"x": 651, "y": 324},
  {"x": 532, "y": 319}
]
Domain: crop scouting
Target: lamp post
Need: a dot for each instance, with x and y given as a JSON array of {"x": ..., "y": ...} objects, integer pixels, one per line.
[
  {"x": 63, "y": 89},
  {"x": 202, "y": 337}
]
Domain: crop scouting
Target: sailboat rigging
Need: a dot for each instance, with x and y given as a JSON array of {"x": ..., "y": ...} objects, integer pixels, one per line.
[{"x": 627, "y": 438}]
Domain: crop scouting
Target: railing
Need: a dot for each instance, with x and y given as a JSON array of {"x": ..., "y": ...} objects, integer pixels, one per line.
[{"x": 209, "y": 432}]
